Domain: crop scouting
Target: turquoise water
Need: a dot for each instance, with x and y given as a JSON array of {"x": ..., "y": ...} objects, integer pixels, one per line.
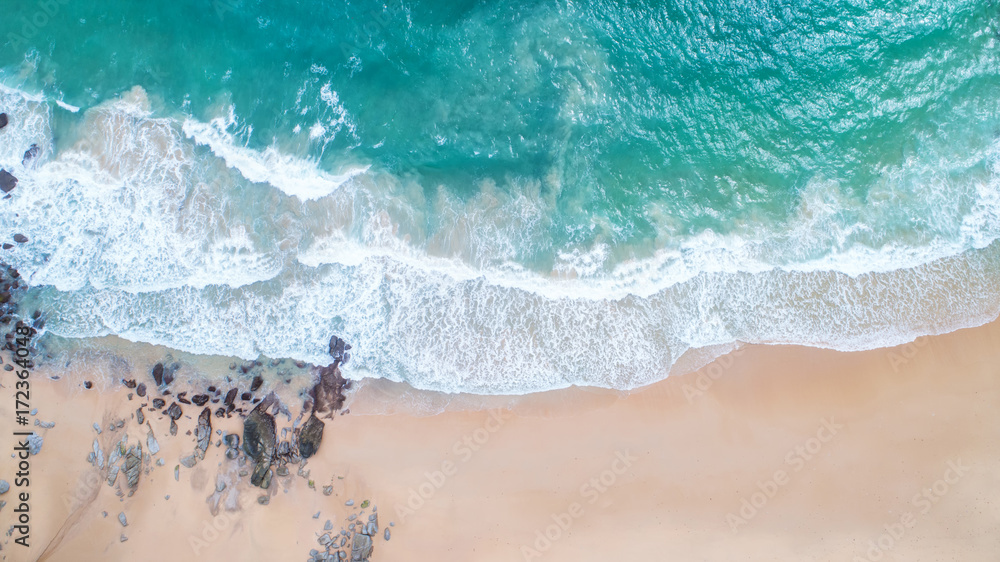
[{"x": 505, "y": 197}]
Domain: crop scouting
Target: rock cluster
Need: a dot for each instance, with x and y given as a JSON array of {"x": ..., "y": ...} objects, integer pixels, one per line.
[{"x": 339, "y": 350}]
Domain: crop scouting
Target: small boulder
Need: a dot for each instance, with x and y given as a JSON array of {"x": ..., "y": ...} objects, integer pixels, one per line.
[
  {"x": 174, "y": 411},
  {"x": 3, "y": 120},
  {"x": 310, "y": 436},
  {"x": 361, "y": 548},
  {"x": 20, "y": 238},
  {"x": 7, "y": 181},
  {"x": 203, "y": 432}
]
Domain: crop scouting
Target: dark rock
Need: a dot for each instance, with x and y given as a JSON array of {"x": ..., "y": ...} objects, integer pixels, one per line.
[
  {"x": 211, "y": 389},
  {"x": 182, "y": 398},
  {"x": 30, "y": 154},
  {"x": 159, "y": 403},
  {"x": 88, "y": 385},
  {"x": 139, "y": 416},
  {"x": 232, "y": 440},
  {"x": 158, "y": 374},
  {"x": 310, "y": 436},
  {"x": 140, "y": 389},
  {"x": 3, "y": 120},
  {"x": 7, "y": 245},
  {"x": 20, "y": 238},
  {"x": 257, "y": 381},
  {"x": 231, "y": 396},
  {"x": 328, "y": 394},
  {"x": 246, "y": 396},
  {"x": 200, "y": 399},
  {"x": 220, "y": 413},
  {"x": 338, "y": 348},
  {"x": 174, "y": 411},
  {"x": 130, "y": 383},
  {"x": 168, "y": 375},
  {"x": 203, "y": 432},
  {"x": 7, "y": 181},
  {"x": 259, "y": 440}
]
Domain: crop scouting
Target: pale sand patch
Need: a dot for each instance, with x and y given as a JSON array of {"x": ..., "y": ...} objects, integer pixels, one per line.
[{"x": 691, "y": 460}]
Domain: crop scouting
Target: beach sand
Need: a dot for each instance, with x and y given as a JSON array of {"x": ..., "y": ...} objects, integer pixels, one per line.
[{"x": 770, "y": 453}]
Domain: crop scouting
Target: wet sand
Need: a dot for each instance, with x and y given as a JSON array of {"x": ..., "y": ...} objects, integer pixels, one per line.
[{"x": 770, "y": 453}]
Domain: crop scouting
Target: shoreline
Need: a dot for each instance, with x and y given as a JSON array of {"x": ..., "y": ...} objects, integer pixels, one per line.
[{"x": 808, "y": 454}]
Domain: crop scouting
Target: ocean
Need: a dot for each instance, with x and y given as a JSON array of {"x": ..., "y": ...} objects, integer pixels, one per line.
[{"x": 503, "y": 197}]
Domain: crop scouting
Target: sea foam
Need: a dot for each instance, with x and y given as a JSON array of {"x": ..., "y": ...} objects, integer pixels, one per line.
[{"x": 243, "y": 251}]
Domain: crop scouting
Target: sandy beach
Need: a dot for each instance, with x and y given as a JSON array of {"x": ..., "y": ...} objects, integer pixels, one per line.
[{"x": 769, "y": 453}]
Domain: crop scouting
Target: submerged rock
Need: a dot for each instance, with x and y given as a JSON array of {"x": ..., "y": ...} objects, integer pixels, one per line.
[
  {"x": 158, "y": 374},
  {"x": 310, "y": 436},
  {"x": 338, "y": 346},
  {"x": 3, "y": 120},
  {"x": 7, "y": 181},
  {"x": 257, "y": 381},
  {"x": 30, "y": 154},
  {"x": 20, "y": 238}
]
